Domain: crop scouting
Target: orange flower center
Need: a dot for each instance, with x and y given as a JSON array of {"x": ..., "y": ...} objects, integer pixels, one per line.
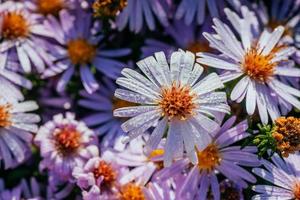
[
  {"x": 14, "y": 25},
  {"x": 5, "y": 116},
  {"x": 197, "y": 46},
  {"x": 50, "y": 7},
  {"x": 209, "y": 158},
  {"x": 296, "y": 191},
  {"x": 287, "y": 134},
  {"x": 106, "y": 171},
  {"x": 67, "y": 140},
  {"x": 177, "y": 102},
  {"x": 108, "y": 8},
  {"x": 81, "y": 51},
  {"x": 131, "y": 191},
  {"x": 257, "y": 66}
]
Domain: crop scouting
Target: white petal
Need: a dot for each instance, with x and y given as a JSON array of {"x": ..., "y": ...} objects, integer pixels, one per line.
[
  {"x": 208, "y": 84},
  {"x": 273, "y": 40},
  {"x": 133, "y": 111},
  {"x": 251, "y": 98},
  {"x": 195, "y": 75},
  {"x": 239, "y": 88},
  {"x": 25, "y": 106},
  {"x": 133, "y": 97},
  {"x": 217, "y": 62}
]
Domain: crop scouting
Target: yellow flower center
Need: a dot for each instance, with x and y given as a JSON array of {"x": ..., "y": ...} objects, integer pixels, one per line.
[
  {"x": 14, "y": 26},
  {"x": 259, "y": 67},
  {"x": 131, "y": 191},
  {"x": 67, "y": 139},
  {"x": 209, "y": 158},
  {"x": 108, "y": 8},
  {"x": 197, "y": 46},
  {"x": 287, "y": 135},
  {"x": 296, "y": 191},
  {"x": 50, "y": 7},
  {"x": 5, "y": 116},
  {"x": 177, "y": 102},
  {"x": 105, "y": 170},
  {"x": 81, "y": 51}
]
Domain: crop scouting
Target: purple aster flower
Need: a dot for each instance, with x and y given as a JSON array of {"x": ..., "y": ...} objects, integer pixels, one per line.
[
  {"x": 22, "y": 36},
  {"x": 16, "y": 126},
  {"x": 194, "y": 10},
  {"x": 183, "y": 36},
  {"x": 64, "y": 144},
  {"x": 219, "y": 157},
  {"x": 103, "y": 103},
  {"x": 283, "y": 174},
  {"x": 100, "y": 177},
  {"x": 284, "y": 13},
  {"x": 171, "y": 97},
  {"x": 136, "y": 12},
  {"x": 78, "y": 50},
  {"x": 257, "y": 60},
  {"x": 142, "y": 166}
]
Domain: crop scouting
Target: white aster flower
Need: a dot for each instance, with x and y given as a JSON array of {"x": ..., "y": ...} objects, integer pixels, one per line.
[
  {"x": 172, "y": 98},
  {"x": 257, "y": 60},
  {"x": 16, "y": 128}
]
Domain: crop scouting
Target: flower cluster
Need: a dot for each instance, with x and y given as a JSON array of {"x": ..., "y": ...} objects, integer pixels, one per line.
[{"x": 149, "y": 99}]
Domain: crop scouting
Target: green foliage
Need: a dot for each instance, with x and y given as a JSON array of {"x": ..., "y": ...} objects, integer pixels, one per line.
[{"x": 264, "y": 140}]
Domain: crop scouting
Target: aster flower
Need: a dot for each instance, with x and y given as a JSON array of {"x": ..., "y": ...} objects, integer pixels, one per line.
[
  {"x": 16, "y": 126},
  {"x": 78, "y": 50},
  {"x": 136, "y": 12},
  {"x": 282, "y": 13},
  {"x": 22, "y": 36},
  {"x": 64, "y": 144},
  {"x": 256, "y": 61},
  {"x": 219, "y": 157},
  {"x": 183, "y": 36},
  {"x": 143, "y": 167},
  {"x": 194, "y": 10},
  {"x": 284, "y": 176},
  {"x": 171, "y": 96},
  {"x": 103, "y": 103},
  {"x": 100, "y": 177}
]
